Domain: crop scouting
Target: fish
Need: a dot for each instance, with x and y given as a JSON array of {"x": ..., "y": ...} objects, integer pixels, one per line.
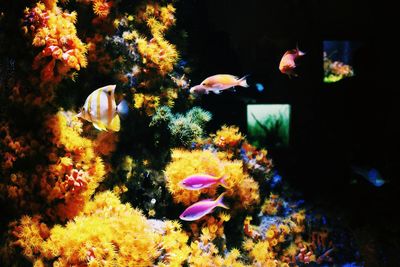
[
  {"x": 217, "y": 83},
  {"x": 288, "y": 62},
  {"x": 101, "y": 110},
  {"x": 372, "y": 175},
  {"x": 200, "y": 181},
  {"x": 202, "y": 208}
]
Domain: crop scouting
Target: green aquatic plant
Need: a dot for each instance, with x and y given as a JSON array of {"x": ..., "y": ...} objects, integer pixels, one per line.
[{"x": 269, "y": 125}]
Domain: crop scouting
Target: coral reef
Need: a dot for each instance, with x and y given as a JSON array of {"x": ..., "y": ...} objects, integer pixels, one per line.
[{"x": 75, "y": 196}]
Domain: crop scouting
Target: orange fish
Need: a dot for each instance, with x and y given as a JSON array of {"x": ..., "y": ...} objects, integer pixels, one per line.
[
  {"x": 288, "y": 62},
  {"x": 219, "y": 82}
]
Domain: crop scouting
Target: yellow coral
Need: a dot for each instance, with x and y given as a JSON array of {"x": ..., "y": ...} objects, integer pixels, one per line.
[
  {"x": 228, "y": 137},
  {"x": 105, "y": 233},
  {"x": 81, "y": 163},
  {"x": 259, "y": 252},
  {"x": 148, "y": 103},
  {"x": 224, "y": 216},
  {"x": 173, "y": 245},
  {"x": 185, "y": 163},
  {"x": 157, "y": 52}
]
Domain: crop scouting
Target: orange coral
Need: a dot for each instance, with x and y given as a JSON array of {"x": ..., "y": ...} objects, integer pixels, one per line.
[
  {"x": 157, "y": 52},
  {"x": 228, "y": 137},
  {"x": 271, "y": 205},
  {"x": 54, "y": 30},
  {"x": 102, "y": 7},
  {"x": 77, "y": 173},
  {"x": 30, "y": 234}
]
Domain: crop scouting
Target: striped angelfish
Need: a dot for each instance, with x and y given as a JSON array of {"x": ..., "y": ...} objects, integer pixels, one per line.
[{"x": 100, "y": 109}]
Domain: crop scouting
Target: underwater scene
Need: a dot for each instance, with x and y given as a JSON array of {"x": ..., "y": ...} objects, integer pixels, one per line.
[{"x": 194, "y": 133}]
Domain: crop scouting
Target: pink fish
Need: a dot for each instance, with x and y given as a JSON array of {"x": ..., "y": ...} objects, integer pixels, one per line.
[
  {"x": 201, "y": 208},
  {"x": 200, "y": 181},
  {"x": 288, "y": 62},
  {"x": 217, "y": 83}
]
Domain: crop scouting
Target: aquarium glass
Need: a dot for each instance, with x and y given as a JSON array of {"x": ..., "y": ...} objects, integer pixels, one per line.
[{"x": 268, "y": 124}]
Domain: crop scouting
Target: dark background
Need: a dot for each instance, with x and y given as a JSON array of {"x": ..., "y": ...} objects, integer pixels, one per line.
[{"x": 333, "y": 126}]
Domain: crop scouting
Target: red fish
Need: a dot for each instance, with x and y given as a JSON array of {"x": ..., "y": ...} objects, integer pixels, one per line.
[{"x": 288, "y": 62}]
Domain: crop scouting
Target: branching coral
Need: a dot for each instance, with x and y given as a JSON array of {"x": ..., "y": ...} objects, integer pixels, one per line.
[
  {"x": 54, "y": 31},
  {"x": 157, "y": 52}
]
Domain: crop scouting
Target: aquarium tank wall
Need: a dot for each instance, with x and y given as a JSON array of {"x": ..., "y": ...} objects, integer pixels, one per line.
[{"x": 190, "y": 133}]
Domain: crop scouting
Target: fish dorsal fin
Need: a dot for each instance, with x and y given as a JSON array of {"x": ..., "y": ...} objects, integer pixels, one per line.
[
  {"x": 115, "y": 124},
  {"x": 99, "y": 126},
  {"x": 108, "y": 88}
]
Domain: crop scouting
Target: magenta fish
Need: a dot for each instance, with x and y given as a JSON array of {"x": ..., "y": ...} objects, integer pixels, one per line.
[
  {"x": 200, "y": 181},
  {"x": 201, "y": 208}
]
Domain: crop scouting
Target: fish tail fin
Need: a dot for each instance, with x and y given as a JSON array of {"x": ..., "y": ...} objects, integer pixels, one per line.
[
  {"x": 222, "y": 181},
  {"x": 115, "y": 124},
  {"x": 123, "y": 107},
  {"x": 242, "y": 81},
  {"x": 299, "y": 52},
  {"x": 220, "y": 203}
]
